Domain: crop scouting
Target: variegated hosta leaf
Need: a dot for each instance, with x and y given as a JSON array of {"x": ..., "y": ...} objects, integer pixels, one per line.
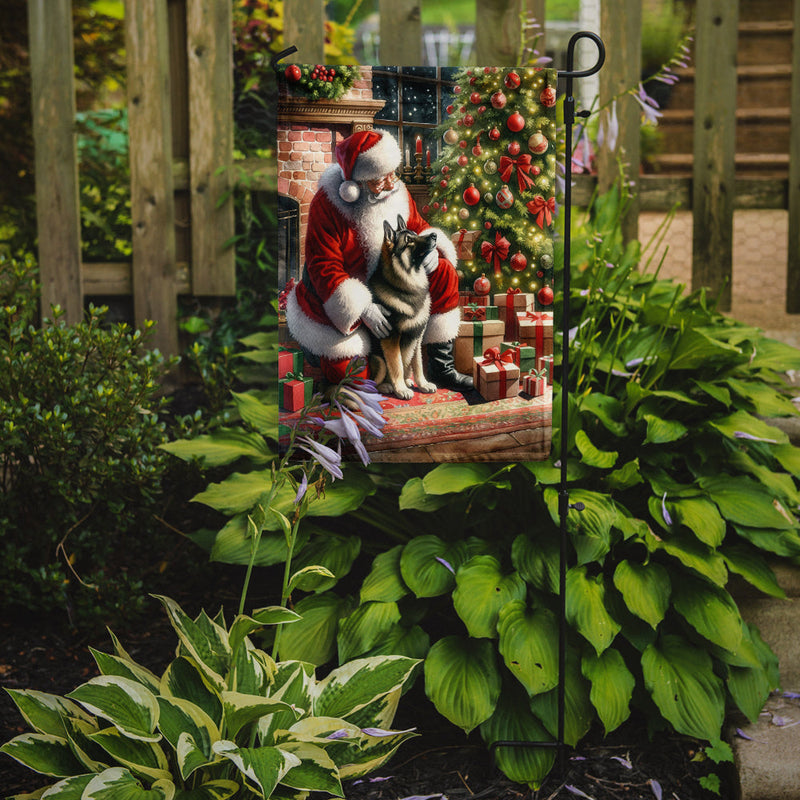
[
  {"x": 212, "y": 790},
  {"x": 126, "y": 704},
  {"x": 612, "y": 686},
  {"x": 358, "y": 683},
  {"x": 44, "y": 753},
  {"x": 385, "y": 581},
  {"x": 125, "y": 668},
  {"x": 179, "y": 718},
  {"x": 646, "y": 589},
  {"x": 294, "y": 684},
  {"x": 529, "y": 645},
  {"x": 45, "y": 712},
  {"x": 252, "y": 670},
  {"x": 462, "y": 680},
  {"x": 117, "y": 783},
  {"x": 242, "y": 709},
  {"x": 262, "y": 766},
  {"x": 513, "y": 721},
  {"x": 316, "y": 771},
  {"x": 68, "y": 789},
  {"x": 183, "y": 679},
  {"x": 586, "y": 608},
  {"x": 481, "y": 591},
  {"x": 145, "y": 759},
  {"x": 372, "y": 754},
  {"x": 244, "y": 625},
  {"x": 683, "y": 685},
  {"x": 78, "y": 733}
]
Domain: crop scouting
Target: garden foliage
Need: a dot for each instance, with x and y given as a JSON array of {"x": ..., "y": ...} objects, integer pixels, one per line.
[
  {"x": 223, "y": 720},
  {"x": 684, "y": 486}
]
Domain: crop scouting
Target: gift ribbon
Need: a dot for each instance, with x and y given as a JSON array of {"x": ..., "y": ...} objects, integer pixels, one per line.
[
  {"x": 473, "y": 313},
  {"x": 493, "y": 357},
  {"x": 497, "y": 252},
  {"x": 542, "y": 209},
  {"x": 523, "y": 165},
  {"x": 513, "y": 290},
  {"x": 294, "y": 376},
  {"x": 537, "y": 318}
]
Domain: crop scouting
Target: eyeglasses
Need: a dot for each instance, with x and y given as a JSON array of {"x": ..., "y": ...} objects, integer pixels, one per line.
[{"x": 389, "y": 179}]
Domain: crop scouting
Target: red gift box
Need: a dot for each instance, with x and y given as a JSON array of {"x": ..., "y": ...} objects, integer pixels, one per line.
[
  {"x": 510, "y": 304},
  {"x": 546, "y": 363},
  {"x": 289, "y": 360},
  {"x": 536, "y": 330},
  {"x": 467, "y": 298},
  {"x": 534, "y": 383},
  {"x": 296, "y": 391},
  {"x": 495, "y": 375}
]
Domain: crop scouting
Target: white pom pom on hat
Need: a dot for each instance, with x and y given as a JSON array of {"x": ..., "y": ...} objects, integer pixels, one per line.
[{"x": 365, "y": 155}]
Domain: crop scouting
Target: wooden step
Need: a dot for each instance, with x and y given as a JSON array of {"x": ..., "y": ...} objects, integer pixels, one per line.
[{"x": 761, "y": 41}]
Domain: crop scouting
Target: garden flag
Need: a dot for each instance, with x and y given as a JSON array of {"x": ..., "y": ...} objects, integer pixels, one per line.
[{"x": 416, "y": 208}]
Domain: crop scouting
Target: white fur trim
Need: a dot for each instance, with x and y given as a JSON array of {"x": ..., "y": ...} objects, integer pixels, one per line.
[
  {"x": 384, "y": 156},
  {"x": 324, "y": 340},
  {"x": 444, "y": 245},
  {"x": 442, "y": 327},
  {"x": 346, "y": 305},
  {"x": 349, "y": 191}
]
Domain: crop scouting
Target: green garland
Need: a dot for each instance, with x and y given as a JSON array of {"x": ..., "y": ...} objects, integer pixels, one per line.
[{"x": 320, "y": 82}]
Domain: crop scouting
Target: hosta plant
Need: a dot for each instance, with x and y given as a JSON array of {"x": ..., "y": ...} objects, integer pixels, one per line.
[{"x": 224, "y": 720}]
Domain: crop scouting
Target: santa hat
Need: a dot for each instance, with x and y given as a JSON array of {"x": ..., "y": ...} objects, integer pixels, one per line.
[{"x": 365, "y": 156}]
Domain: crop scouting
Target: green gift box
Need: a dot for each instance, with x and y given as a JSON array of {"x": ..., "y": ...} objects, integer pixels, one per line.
[
  {"x": 473, "y": 339},
  {"x": 524, "y": 355},
  {"x": 289, "y": 360},
  {"x": 295, "y": 391},
  {"x": 475, "y": 313}
]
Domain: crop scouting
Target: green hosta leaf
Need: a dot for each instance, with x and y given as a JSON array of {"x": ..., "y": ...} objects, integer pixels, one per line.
[
  {"x": 701, "y": 517},
  {"x": 385, "y": 582},
  {"x": 237, "y": 493},
  {"x": 117, "y": 783},
  {"x": 126, "y": 704},
  {"x": 261, "y": 416},
  {"x": 774, "y": 355},
  {"x": 313, "y": 638},
  {"x": 365, "y": 628},
  {"x": 45, "y": 712},
  {"x": 78, "y": 733},
  {"x": 144, "y": 759},
  {"x": 782, "y": 543},
  {"x": 749, "y": 687},
  {"x": 512, "y": 721},
  {"x": 399, "y": 640},
  {"x": 779, "y": 484},
  {"x": 693, "y": 554},
  {"x": 223, "y": 446},
  {"x": 766, "y": 401},
  {"x": 741, "y": 422},
  {"x": 414, "y": 497},
  {"x": 234, "y": 545},
  {"x": 608, "y": 410},
  {"x": 316, "y": 771},
  {"x": 367, "y": 754},
  {"x": 788, "y": 455},
  {"x": 625, "y": 477},
  {"x": 481, "y": 591},
  {"x": 537, "y": 560},
  {"x": 180, "y": 717},
  {"x": 663, "y": 431},
  {"x": 529, "y": 645},
  {"x": 753, "y": 567},
  {"x": 263, "y": 766},
  {"x": 714, "y": 390},
  {"x": 335, "y": 553},
  {"x": 590, "y": 455},
  {"x": 294, "y": 684},
  {"x": 270, "y": 615},
  {"x": 422, "y": 567},
  {"x": 242, "y": 709},
  {"x": 612, "y": 687},
  {"x": 44, "y": 753},
  {"x": 586, "y": 608},
  {"x": 125, "y": 668},
  {"x": 683, "y": 685},
  {"x": 646, "y": 589},
  {"x": 182, "y": 679},
  {"x": 596, "y": 519},
  {"x": 454, "y": 478},
  {"x": 695, "y": 350},
  {"x": 462, "y": 680},
  {"x": 312, "y": 577},
  {"x": 212, "y": 790},
  {"x": 709, "y": 610},
  {"x": 745, "y": 502}
]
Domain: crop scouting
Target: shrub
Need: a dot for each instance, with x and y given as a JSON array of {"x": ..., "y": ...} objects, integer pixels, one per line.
[{"x": 79, "y": 430}]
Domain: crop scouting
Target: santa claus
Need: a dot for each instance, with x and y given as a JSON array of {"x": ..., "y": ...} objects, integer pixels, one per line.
[{"x": 331, "y": 312}]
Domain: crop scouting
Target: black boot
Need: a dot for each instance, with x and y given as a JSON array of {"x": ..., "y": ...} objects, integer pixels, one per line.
[{"x": 442, "y": 369}]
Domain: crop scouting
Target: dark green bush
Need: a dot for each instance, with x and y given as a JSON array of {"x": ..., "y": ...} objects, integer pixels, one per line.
[{"x": 80, "y": 471}]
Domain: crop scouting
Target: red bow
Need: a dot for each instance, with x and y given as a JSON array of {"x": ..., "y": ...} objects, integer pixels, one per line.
[
  {"x": 542, "y": 209},
  {"x": 497, "y": 252},
  {"x": 535, "y": 315},
  {"x": 523, "y": 165},
  {"x": 475, "y": 314},
  {"x": 493, "y": 356},
  {"x": 513, "y": 290}
]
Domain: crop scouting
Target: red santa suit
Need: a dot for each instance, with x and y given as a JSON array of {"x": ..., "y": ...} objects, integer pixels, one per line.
[{"x": 344, "y": 238}]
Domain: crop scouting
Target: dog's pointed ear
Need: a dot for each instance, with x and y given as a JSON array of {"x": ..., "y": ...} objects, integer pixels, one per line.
[
  {"x": 388, "y": 233},
  {"x": 401, "y": 223}
]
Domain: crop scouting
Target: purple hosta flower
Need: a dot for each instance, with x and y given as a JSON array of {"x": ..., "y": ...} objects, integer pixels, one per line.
[
  {"x": 582, "y": 155},
  {"x": 325, "y": 456},
  {"x": 791, "y": 695},
  {"x": 364, "y": 393},
  {"x": 380, "y": 732},
  {"x": 608, "y": 131},
  {"x": 342, "y": 733},
  {"x": 577, "y": 792},
  {"x": 655, "y": 787},
  {"x": 624, "y": 761},
  {"x": 349, "y": 430},
  {"x": 301, "y": 489},
  {"x": 425, "y": 797},
  {"x": 664, "y": 512},
  {"x": 376, "y": 779},
  {"x": 447, "y": 564},
  {"x": 649, "y": 106},
  {"x": 751, "y": 437},
  {"x": 742, "y": 735}
]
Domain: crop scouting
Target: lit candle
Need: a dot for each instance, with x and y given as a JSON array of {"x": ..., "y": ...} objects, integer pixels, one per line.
[
  {"x": 408, "y": 160},
  {"x": 427, "y": 158},
  {"x": 419, "y": 145}
]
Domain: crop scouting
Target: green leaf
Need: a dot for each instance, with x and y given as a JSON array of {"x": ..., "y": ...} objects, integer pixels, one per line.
[
  {"x": 481, "y": 591},
  {"x": 742, "y": 422},
  {"x": 753, "y": 567},
  {"x": 608, "y": 410},
  {"x": 145, "y": 759},
  {"x": 44, "y": 712},
  {"x": 44, "y": 753},
  {"x": 627, "y": 476},
  {"x": 693, "y": 554},
  {"x": 182, "y": 679},
  {"x": 789, "y": 457},
  {"x": 421, "y": 565},
  {"x": 771, "y": 354},
  {"x": 714, "y": 390},
  {"x": 334, "y": 553},
  {"x": 683, "y": 685},
  {"x": 745, "y": 502},
  {"x": 782, "y": 543},
  {"x": 529, "y": 645},
  {"x": 125, "y": 668},
  {"x": 261, "y": 416},
  {"x": 239, "y": 492},
  {"x": 414, "y": 497},
  {"x": 241, "y": 709},
  {"x": 234, "y": 545},
  {"x": 264, "y": 766},
  {"x": 126, "y": 704},
  {"x": 612, "y": 687},
  {"x": 766, "y": 400},
  {"x": 316, "y": 772},
  {"x": 591, "y": 456},
  {"x": 586, "y": 608},
  {"x": 244, "y": 625},
  {"x": 537, "y": 560},
  {"x": 179, "y": 717},
  {"x": 399, "y": 640},
  {"x": 663, "y": 431},
  {"x": 462, "y": 681},
  {"x": 68, "y": 789},
  {"x": 709, "y": 609},
  {"x": 365, "y": 627},
  {"x": 645, "y": 588},
  {"x": 117, "y": 783},
  {"x": 453, "y": 478},
  {"x": 313, "y": 638},
  {"x": 695, "y": 350},
  {"x": 212, "y": 790},
  {"x": 701, "y": 517},
  {"x": 385, "y": 582},
  {"x": 223, "y": 446}
]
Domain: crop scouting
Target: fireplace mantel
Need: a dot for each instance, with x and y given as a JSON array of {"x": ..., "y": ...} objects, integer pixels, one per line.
[{"x": 357, "y": 113}]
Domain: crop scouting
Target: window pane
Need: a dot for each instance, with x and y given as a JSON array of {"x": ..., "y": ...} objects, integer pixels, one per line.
[
  {"x": 419, "y": 102},
  {"x": 422, "y": 72},
  {"x": 384, "y": 87}
]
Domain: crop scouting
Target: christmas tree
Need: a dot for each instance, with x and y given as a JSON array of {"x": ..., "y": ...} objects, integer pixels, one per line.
[{"x": 496, "y": 176}]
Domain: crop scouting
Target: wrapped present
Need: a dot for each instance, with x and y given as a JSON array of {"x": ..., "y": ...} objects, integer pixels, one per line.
[
  {"x": 295, "y": 391},
  {"x": 464, "y": 241},
  {"x": 468, "y": 298},
  {"x": 535, "y": 382},
  {"x": 524, "y": 355},
  {"x": 475, "y": 313},
  {"x": 536, "y": 330},
  {"x": 473, "y": 339},
  {"x": 289, "y": 360},
  {"x": 546, "y": 363},
  {"x": 510, "y": 304},
  {"x": 495, "y": 374}
]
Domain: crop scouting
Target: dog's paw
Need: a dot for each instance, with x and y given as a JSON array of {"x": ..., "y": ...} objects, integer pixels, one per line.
[
  {"x": 386, "y": 388},
  {"x": 409, "y": 383},
  {"x": 427, "y": 388},
  {"x": 403, "y": 392}
]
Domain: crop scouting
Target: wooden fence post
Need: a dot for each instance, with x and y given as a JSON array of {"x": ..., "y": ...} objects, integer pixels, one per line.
[
  {"x": 56, "y": 161},
  {"x": 152, "y": 199},
  {"x": 714, "y": 176},
  {"x": 210, "y": 54},
  {"x": 621, "y": 29},
  {"x": 304, "y": 27},
  {"x": 400, "y": 27},
  {"x": 499, "y": 30},
  {"x": 793, "y": 267}
]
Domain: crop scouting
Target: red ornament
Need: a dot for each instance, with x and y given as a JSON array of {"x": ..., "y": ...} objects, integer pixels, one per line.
[
  {"x": 504, "y": 198},
  {"x": 462, "y": 109},
  {"x": 494, "y": 134},
  {"x": 512, "y": 80},
  {"x": 482, "y": 285},
  {"x": 548, "y": 97},
  {"x": 457, "y": 90},
  {"x": 476, "y": 151},
  {"x": 540, "y": 274},
  {"x": 481, "y": 109},
  {"x": 487, "y": 225},
  {"x": 518, "y": 262},
  {"x": 445, "y": 169},
  {"x": 426, "y": 209},
  {"x": 475, "y": 98},
  {"x": 469, "y": 120},
  {"x": 462, "y": 144},
  {"x": 462, "y": 160},
  {"x": 513, "y": 148},
  {"x": 472, "y": 196},
  {"x": 498, "y": 100},
  {"x": 487, "y": 70},
  {"x": 444, "y": 208},
  {"x": 545, "y": 296},
  {"x": 443, "y": 184},
  {"x": 450, "y": 109},
  {"x": 516, "y": 122},
  {"x": 293, "y": 72},
  {"x": 436, "y": 205},
  {"x": 537, "y": 143}
]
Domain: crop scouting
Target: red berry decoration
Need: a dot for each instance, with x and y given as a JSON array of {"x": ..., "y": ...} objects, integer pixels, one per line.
[
  {"x": 293, "y": 72},
  {"x": 540, "y": 274},
  {"x": 545, "y": 296},
  {"x": 482, "y": 285},
  {"x": 516, "y": 122},
  {"x": 512, "y": 80},
  {"x": 498, "y": 100},
  {"x": 494, "y": 134},
  {"x": 518, "y": 262},
  {"x": 475, "y": 98},
  {"x": 487, "y": 225},
  {"x": 472, "y": 196},
  {"x": 513, "y": 148}
]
